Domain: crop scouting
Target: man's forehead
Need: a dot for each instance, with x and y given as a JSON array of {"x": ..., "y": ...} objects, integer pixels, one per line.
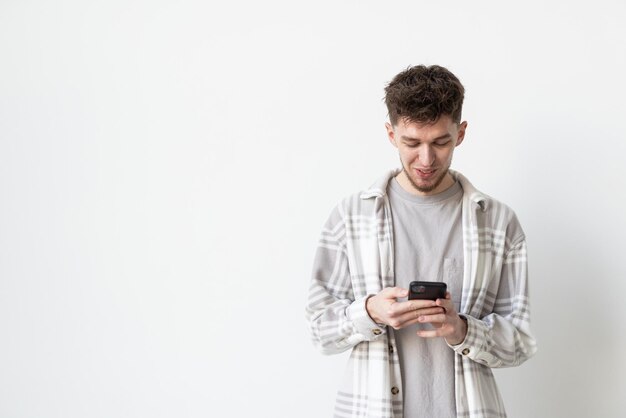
[{"x": 417, "y": 130}]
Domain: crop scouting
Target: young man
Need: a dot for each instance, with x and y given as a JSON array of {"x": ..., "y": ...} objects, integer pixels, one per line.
[{"x": 422, "y": 358}]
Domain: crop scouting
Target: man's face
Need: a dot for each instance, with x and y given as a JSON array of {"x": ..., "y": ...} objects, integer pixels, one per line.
[{"x": 426, "y": 153}]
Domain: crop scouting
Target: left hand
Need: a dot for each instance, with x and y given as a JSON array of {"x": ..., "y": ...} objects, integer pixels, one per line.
[{"x": 448, "y": 324}]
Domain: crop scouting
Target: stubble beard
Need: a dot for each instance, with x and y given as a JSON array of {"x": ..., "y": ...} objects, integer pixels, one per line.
[{"x": 425, "y": 189}]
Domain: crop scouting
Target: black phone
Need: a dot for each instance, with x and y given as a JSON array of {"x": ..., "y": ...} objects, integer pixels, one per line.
[{"x": 427, "y": 290}]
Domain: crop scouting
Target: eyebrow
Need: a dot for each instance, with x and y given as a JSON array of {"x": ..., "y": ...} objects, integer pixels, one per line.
[{"x": 409, "y": 139}]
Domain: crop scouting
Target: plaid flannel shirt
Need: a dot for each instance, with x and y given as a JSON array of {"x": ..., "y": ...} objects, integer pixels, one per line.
[{"x": 354, "y": 260}]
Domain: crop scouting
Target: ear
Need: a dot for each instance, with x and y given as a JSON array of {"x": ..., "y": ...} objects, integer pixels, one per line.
[
  {"x": 461, "y": 133},
  {"x": 390, "y": 134}
]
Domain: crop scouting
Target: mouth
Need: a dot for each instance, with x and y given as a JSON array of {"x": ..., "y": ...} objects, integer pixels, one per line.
[{"x": 425, "y": 173}]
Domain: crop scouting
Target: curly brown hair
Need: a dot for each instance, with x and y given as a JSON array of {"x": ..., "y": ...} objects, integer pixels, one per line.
[{"x": 423, "y": 94}]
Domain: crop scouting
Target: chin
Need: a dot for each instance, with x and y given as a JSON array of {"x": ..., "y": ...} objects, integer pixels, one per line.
[{"x": 428, "y": 187}]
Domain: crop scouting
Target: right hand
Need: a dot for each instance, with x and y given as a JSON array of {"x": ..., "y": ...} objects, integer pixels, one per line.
[{"x": 384, "y": 308}]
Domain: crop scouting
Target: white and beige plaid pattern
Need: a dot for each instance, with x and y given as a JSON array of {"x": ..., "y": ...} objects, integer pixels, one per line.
[{"x": 354, "y": 260}]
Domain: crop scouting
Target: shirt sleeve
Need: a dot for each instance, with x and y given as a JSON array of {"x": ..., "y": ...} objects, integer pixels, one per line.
[
  {"x": 503, "y": 338},
  {"x": 336, "y": 319}
]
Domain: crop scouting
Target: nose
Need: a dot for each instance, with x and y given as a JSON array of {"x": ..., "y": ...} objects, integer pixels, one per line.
[{"x": 427, "y": 155}]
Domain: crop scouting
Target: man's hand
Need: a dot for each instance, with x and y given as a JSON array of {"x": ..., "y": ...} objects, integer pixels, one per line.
[
  {"x": 448, "y": 324},
  {"x": 384, "y": 308}
]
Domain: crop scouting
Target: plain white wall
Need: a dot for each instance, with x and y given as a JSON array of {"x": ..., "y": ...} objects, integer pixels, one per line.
[{"x": 166, "y": 166}]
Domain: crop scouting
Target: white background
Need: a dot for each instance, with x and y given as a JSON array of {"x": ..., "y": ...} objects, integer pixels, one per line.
[{"x": 166, "y": 167}]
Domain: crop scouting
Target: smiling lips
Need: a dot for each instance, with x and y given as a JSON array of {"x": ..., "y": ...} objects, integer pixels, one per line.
[{"x": 425, "y": 174}]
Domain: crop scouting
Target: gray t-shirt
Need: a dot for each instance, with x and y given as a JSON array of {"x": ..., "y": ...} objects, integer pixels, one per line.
[{"x": 428, "y": 242}]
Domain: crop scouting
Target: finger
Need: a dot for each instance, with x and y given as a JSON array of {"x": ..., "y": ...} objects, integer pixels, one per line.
[
  {"x": 432, "y": 319},
  {"x": 422, "y": 312},
  {"x": 394, "y": 292},
  {"x": 408, "y": 306},
  {"x": 412, "y": 317},
  {"x": 405, "y": 319},
  {"x": 446, "y": 304},
  {"x": 430, "y": 311},
  {"x": 448, "y": 295},
  {"x": 432, "y": 333},
  {"x": 422, "y": 303}
]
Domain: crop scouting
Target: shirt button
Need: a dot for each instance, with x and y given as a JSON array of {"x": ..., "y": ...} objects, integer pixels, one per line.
[
  {"x": 395, "y": 390},
  {"x": 376, "y": 331},
  {"x": 465, "y": 351},
  {"x": 390, "y": 348}
]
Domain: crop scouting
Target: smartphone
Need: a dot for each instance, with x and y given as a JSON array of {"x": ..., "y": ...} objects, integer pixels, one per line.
[{"x": 427, "y": 290}]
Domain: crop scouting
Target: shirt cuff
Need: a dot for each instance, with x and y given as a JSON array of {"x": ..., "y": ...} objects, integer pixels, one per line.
[
  {"x": 364, "y": 325},
  {"x": 472, "y": 344}
]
